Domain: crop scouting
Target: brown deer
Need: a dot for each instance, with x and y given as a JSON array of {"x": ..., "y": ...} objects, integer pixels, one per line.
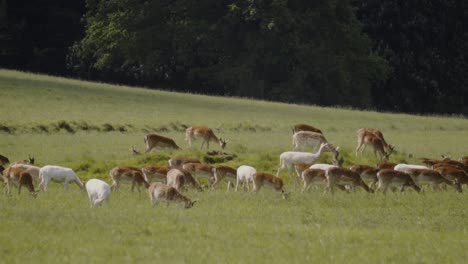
[
  {"x": 224, "y": 172},
  {"x": 432, "y": 177},
  {"x": 155, "y": 173},
  {"x": 159, "y": 191},
  {"x": 177, "y": 178},
  {"x": 367, "y": 173},
  {"x": 390, "y": 177},
  {"x": 262, "y": 178},
  {"x": 205, "y": 133},
  {"x": 342, "y": 176},
  {"x": 154, "y": 140},
  {"x": 126, "y": 173},
  {"x": 381, "y": 149}
]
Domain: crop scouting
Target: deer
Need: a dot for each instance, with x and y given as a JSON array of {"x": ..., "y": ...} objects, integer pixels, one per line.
[
  {"x": 180, "y": 161},
  {"x": 342, "y": 176},
  {"x": 421, "y": 176},
  {"x": 98, "y": 191},
  {"x": 154, "y": 140},
  {"x": 127, "y": 173},
  {"x": 200, "y": 170},
  {"x": 302, "y": 139},
  {"x": 262, "y": 178},
  {"x": 407, "y": 167},
  {"x": 153, "y": 173},
  {"x": 290, "y": 158},
  {"x": 390, "y": 177},
  {"x": 58, "y": 174},
  {"x": 14, "y": 176},
  {"x": 245, "y": 174},
  {"x": 224, "y": 172},
  {"x": 177, "y": 178},
  {"x": 159, "y": 191},
  {"x": 453, "y": 174},
  {"x": 303, "y": 127},
  {"x": 29, "y": 161},
  {"x": 31, "y": 169},
  {"x": 367, "y": 173},
  {"x": 206, "y": 134},
  {"x": 378, "y": 134},
  {"x": 381, "y": 148}
]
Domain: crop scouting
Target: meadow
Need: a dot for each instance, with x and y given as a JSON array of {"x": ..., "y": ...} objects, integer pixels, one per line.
[{"x": 91, "y": 127}]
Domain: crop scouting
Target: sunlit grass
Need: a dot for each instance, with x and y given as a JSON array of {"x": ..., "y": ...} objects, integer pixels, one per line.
[{"x": 231, "y": 227}]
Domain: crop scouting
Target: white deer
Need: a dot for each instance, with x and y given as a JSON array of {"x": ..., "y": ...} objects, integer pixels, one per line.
[
  {"x": 98, "y": 191},
  {"x": 290, "y": 158}
]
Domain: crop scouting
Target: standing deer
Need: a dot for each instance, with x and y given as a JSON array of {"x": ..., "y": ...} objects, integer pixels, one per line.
[
  {"x": 365, "y": 137},
  {"x": 154, "y": 140},
  {"x": 205, "y": 133}
]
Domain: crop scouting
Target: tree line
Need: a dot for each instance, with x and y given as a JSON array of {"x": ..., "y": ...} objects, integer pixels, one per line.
[{"x": 387, "y": 55}]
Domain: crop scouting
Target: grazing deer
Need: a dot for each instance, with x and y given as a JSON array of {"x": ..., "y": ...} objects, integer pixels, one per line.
[
  {"x": 432, "y": 177},
  {"x": 205, "y": 133},
  {"x": 155, "y": 173},
  {"x": 14, "y": 176},
  {"x": 389, "y": 177},
  {"x": 177, "y": 178},
  {"x": 316, "y": 176},
  {"x": 200, "y": 170},
  {"x": 127, "y": 173},
  {"x": 303, "y": 139},
  {"x": 58, "y": 174},
  {"x": 245, "y": 174},
  {"x": 98, "y": 191},
  {"x": 154, "y": 140},
  {"x": 381, "y": 148},
  {"x": 290, "y": 158},
  {"x": 367, "y": 173},
  {"x": 342, "y": 176},
  {"x": 262, "y": 178},
  {"x": 224, "y": 172},
  {"x": 378, "y": 134},
  {"x": 180, "y": 161},
  {"x": 453, "y": 174},
  {"x": 159, "y": 191},
  {"x": 33, "y": 170},
  {"x": 304, "y": 127}
]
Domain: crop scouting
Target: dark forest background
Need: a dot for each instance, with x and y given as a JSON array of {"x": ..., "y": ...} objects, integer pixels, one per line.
[{"x": 387, "y": 55}]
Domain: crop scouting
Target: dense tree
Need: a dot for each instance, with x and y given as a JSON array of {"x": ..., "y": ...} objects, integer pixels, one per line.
[
  {"x": 35, "y": 34},
  {"x": 426, "y": 45},
  {"x": 301, "y": 51}
]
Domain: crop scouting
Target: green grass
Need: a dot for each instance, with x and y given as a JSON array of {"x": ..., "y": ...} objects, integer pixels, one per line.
[{"x": 91, "y": 127}]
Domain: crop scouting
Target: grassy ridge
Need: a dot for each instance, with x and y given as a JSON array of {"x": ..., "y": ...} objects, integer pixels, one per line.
[{"x": 223, "y": 226}]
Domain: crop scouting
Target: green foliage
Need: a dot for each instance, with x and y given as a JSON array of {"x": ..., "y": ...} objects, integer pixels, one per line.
[{"x": 300, "y": 51}]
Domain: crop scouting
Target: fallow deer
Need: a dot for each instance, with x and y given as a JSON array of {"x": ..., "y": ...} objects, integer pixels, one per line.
[
  {"x": 155, "y": 173},
  {"x": 342, "y": 176},
  {"x": 392, "y": 178},
  {"x": 205, "y": 133},
  {"x": 262, "y": 178},
  {"x": 367, "y": 173},
  {"x": 224, "y": 172},
  {"x": 98, "y": 191},
  {"x": 432, "y": 177},
  {"x": 127, "y": 174},
  {"x": 200, "y": 170},
  {"x": 381, "y": 149},
  {"x": 154, "y": 140},
  {"x": 159, "y": 191},
  {"x": 58, "y": 174},
  {"x": 178, "y": 178}
]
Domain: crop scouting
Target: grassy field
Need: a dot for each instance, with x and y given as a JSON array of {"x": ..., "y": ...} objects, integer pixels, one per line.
[{"x": 91, "y": 127}]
